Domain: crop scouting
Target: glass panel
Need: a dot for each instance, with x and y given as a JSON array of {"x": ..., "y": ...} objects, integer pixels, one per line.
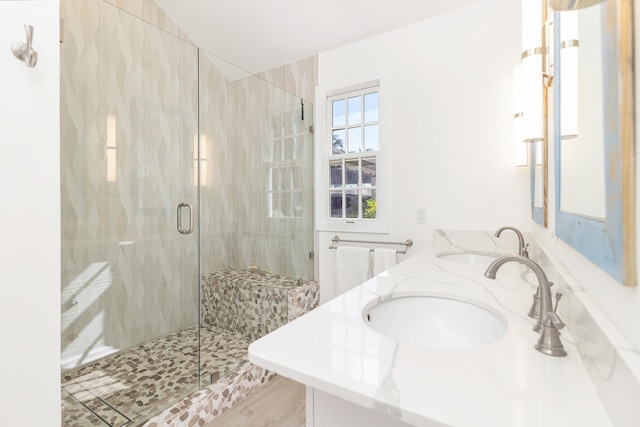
[
  {"x": 276, "y": 180},
  {"x": 289, "y": 148},
  {"x": 351, "y": 173},
  {"x": 286, "y": 178},
  {"x": 335, "y": 172},
  {"x": 371, "y": 138},
  {"x": 369, "y": 172},
  {"x": 354, "y": 140},
  {"x": 128, "y": 276},
  {"x": 277, "y": 150},
  {"x": 355, "y": 110},
  {"x": 285, "y": 205},
  {"x": 335, "y": 201},
  {"x": 338, "y": 113},
  {"x": 275, "y": 205},
  {"x": 338, "y": 142},
  {"x": 297, "y": 177},
  {"x": 351, "y": 201},
  {"x": 369, "y": 204},
  {"x": 297, "y": 204},
  {"x": 371, "y": 107}
]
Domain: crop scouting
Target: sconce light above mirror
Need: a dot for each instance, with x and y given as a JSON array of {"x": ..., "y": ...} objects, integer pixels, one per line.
[{"x": 532, "y": 83}]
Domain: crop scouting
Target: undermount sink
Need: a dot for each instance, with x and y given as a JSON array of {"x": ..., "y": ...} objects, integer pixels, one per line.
[
  {"x": 468, "y": 257},
  {"x": 436, "y": 321}
]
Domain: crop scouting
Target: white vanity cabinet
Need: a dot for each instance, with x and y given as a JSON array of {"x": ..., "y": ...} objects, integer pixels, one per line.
[{"x": 356, "y": 376}]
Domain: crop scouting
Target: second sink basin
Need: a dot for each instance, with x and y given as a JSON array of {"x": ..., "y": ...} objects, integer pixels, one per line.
[
  {"x": 436, "y": 321},
  {"x": 468, "y": 257}
]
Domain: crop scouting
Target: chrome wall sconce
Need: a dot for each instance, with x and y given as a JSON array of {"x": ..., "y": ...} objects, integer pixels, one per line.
[
  {"x": 534, "y": 76},
  {"x": 24, "y": 51},
  {"x": 110, "y": 150}
]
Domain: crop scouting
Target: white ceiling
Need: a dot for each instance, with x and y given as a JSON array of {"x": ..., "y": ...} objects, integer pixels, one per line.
[{"x": 256, "y": 35}]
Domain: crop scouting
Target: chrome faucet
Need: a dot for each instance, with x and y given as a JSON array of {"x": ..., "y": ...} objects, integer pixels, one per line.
[
  {"x": 548, "y": 321},
  {"x": 522, "y": 249}
]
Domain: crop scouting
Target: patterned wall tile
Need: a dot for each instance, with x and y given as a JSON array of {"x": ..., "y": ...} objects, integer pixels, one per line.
[
  {"x": 124, "y": 235},
  {"x": 82, "y": 13},
  {"x": 123, "y": 83},
  {"x": 125, "y": 166},
  {"x": 126, "y": 328},
  {"x": 163, "y": 152},
  {"x": 81, "y": 71},
  {"x": 81, "y": 155},
  {"x": 164, "y": 242}
]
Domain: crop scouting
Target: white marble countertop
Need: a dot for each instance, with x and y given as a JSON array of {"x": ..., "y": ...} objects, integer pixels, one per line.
[{"x": 504, "y": 383}]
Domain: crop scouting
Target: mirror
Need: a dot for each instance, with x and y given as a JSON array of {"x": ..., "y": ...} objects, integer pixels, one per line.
[
  {"x": 594, "y": 173},
  {"x": 582, "y": 174}
]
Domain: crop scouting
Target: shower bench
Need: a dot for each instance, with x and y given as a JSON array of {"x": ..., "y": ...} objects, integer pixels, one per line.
[{"x": 253, "y": 303}]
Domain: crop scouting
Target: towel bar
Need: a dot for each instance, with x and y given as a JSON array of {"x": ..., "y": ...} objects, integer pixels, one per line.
[{"x": 337, "y": 239}]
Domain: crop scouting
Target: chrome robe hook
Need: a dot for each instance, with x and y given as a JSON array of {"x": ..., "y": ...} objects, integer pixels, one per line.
[{"x": 23, "y": 51}]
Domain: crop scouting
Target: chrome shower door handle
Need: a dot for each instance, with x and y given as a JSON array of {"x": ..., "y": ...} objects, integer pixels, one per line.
[{"x": 182, "y": 230}]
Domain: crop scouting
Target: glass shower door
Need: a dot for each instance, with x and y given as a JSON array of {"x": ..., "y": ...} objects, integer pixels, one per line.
[{"x": 129, "y": 183}]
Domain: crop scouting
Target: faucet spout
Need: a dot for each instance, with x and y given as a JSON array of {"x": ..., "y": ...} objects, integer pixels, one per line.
[
  {"x": 548, "y": 321},
  {"x": 522, "y": 246}
]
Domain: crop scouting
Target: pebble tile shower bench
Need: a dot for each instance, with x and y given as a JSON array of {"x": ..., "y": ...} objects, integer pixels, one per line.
[{"x": 251, "y": 304}]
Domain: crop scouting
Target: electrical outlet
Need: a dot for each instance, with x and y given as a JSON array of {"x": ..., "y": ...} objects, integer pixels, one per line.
[{"x": 421, "y": 216}]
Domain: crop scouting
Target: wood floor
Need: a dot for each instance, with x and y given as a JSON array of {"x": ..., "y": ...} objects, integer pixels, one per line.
[{"x": 279, "y": 403}]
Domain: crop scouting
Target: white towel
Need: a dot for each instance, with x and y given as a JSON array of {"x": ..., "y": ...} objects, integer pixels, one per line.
[
  {"x": 383, "y": 259},
  {"x": 352, "y": 267}
]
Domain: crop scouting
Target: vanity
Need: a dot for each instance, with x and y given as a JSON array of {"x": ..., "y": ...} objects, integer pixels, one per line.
[{"x": 356, "y": 375}]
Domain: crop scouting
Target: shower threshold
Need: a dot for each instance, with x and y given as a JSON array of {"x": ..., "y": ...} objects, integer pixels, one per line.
[{"x": 128, "y": 388}]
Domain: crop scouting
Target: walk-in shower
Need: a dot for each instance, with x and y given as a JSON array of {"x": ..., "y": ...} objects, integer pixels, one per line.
[{"x": 174, "y": 165}]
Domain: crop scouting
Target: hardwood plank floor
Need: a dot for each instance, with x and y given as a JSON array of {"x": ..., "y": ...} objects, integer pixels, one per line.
[{"x": 279, "y": 403}]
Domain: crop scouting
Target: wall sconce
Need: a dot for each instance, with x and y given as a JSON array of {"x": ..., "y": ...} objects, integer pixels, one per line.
[
  {"x": 110, "y": 148},
  {"x": 532, "y": 49},
  {"x": 202, "y": 155},
  {"x": 569, "y": 74},
  {"x": 521, "y": 149}
]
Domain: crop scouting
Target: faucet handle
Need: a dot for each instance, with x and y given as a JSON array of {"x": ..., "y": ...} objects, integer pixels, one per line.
[
  {"x": 555, "y": 320},
  {"x": 525, "y": 251},
  {"x": 558, "y": 296}
]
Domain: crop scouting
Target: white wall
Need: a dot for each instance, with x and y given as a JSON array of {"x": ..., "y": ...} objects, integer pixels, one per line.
[
  {"x": 451, "y": 123},
  {"x": 30, "y": 248}
]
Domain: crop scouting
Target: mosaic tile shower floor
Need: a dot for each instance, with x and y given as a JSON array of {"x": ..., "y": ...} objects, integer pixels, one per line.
[{"x": 137, "y": 383}]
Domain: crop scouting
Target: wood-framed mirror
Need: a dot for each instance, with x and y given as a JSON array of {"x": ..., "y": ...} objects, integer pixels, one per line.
[{"x": 599, "y": 223}]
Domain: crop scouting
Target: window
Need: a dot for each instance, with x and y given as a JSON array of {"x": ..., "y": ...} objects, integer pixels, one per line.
[
  {"x": 285, "y": 190},
  {"x": 351, "y": 159},
  {"x": 354, "y": 144}
]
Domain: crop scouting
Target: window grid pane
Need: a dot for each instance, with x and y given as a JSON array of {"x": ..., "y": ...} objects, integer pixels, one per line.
[
  {"x": 354, "y": 139},
  {"x": 371, "y": 107},
  {"x": 335, "y": 173},
  {"x": 352, "y": 205},
  {"x": 335, "y": 204},
  {"x": 352, "y": 172},
  {"x": 338, "y": 141},
  {"x": 354, "y": 108},
  {"x": 338, "y": 113}
]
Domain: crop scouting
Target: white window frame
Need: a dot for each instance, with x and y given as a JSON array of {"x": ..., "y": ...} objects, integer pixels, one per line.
[{"x": 324, "y": 155}]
